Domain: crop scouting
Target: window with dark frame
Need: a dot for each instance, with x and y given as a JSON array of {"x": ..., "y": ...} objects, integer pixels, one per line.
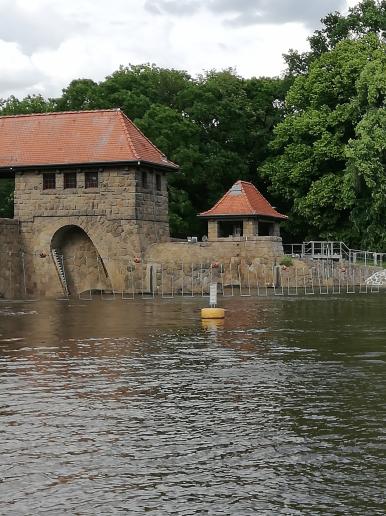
[
  {"x": 158, "y": 182},
  {"x": 49, "y": 181},
  {"x": 144, "y": 179},
  {"x": 91, "y": 179},
  {"x": 69, "y": 180}
]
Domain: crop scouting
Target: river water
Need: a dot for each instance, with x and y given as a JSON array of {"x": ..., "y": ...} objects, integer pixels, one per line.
[{"x": 133, "y": 407}]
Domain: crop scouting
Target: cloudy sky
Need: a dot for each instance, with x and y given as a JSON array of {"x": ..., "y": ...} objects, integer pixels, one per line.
[{"x": 44, "y": 44}]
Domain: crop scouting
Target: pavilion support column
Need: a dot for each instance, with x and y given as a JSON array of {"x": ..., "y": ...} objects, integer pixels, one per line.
[
  {"x": 249, "y": 227},
  {"x": 212, "y": 230}
]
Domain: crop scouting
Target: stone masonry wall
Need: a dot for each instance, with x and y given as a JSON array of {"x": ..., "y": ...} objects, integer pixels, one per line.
[
  {"x": 264, "y": 249},
  {"x": 177, "y": 267},
  {"x": 185, "y": 267},
  {"x": 119, "y": 196},
  {"x": 11, "y": 272},
  {"x": 122, "y": 217},
  {"x": 116, "y": 237},
  {"x": 240, "y": 267}
]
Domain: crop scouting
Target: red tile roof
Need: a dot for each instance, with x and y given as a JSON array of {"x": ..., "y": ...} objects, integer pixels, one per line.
[
  {"x": 74, "y": 137},
  {"x": 243, "y": 199}
]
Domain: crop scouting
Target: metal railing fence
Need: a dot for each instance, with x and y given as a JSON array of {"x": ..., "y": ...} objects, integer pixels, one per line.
[{"x": 334, "y": 250}]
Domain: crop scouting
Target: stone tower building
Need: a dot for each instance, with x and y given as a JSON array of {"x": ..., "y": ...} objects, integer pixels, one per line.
[{"x": 89, "y": 188}]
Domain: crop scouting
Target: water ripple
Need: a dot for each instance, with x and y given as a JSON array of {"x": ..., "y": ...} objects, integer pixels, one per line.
[{"x": 111, "y": 410}]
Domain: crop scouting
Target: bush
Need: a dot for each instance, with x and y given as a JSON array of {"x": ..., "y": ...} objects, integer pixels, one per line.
[{"x": 286, "y": 261}]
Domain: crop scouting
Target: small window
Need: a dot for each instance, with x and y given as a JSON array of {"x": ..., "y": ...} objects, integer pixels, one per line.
[
  {"x": 69, "y": 180},
  {"x": 91, "y": 179},
  {"x": 144, "y": 179},
  {"x": 158, "y": 182},
  {"x": 49, "y": 181}
]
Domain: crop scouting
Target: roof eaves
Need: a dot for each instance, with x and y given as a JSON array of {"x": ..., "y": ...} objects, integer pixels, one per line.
[
  {"x": 169, "y": 165},
  {"x": 246, "y": 195},
  {"x": 209, "y": 215},
  {"x": 86, "y": 165}
]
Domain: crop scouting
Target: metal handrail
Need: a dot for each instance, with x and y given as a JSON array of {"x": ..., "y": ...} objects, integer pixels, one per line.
[{"x": 336, "y": 250}]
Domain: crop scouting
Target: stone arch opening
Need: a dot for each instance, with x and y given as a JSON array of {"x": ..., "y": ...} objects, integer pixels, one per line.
[{"x": 78, "y": 263}]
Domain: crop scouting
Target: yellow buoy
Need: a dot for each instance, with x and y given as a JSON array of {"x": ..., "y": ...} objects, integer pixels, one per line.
[{"x": 212, "y": 313}]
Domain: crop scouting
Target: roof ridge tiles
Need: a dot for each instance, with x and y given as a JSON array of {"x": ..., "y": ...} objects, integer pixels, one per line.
[
  {"x": 129, "y": 140},
  {"x": 73, "y": 112},
  {"x": 246, "y": 194}
]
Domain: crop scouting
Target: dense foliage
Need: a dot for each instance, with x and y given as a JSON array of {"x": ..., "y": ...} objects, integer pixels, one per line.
[
  {"x": 329, "y": 151},
  {"x": 328, "y": 158},
  {"x": 315, "y": 139}
]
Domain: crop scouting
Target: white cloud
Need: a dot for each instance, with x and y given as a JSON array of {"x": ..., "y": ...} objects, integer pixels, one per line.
[
  {"x": 251, "y": 50},
  {"x": 33, "y": 26},
  {"x": 250, "y": 12},
  {"x": 44, "y": 44},
  {"x": 17, "y": 70}
]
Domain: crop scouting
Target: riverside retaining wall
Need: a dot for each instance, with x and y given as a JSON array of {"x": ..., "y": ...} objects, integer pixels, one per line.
[{"x": 184, "y": 267}]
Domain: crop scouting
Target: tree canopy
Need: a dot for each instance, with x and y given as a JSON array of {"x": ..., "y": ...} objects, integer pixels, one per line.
[{"x": 329, "y": 151}]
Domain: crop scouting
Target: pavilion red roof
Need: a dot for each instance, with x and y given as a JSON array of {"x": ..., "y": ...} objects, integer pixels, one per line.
[
  {"x": 243, "y": 199},
  {"x": 75, "y": 137}
]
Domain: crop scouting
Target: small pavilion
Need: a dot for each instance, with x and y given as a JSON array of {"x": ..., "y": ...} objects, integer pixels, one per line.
[{"x": 242, "y": 213}]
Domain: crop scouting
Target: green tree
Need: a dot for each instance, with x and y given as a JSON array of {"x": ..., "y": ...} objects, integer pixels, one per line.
[
  {"x": 28, "y": 105},
  {"x": 325, "y": 164},
  {"x": 81, "y": 94},
  {"x": 136, "y": 88},
  {"x": 365, "y": 179},
  {"x": 367, "y": 17}
]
